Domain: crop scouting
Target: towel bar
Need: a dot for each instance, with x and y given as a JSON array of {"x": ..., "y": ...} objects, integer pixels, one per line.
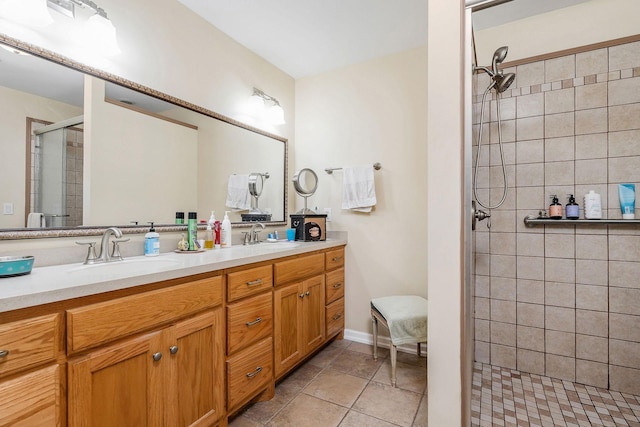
[{"x": 376, "y": 166}]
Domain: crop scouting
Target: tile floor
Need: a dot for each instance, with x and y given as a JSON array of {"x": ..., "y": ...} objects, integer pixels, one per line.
[
  {"x": 505, "y": 397},
  {"x": 343, "y": 386}
]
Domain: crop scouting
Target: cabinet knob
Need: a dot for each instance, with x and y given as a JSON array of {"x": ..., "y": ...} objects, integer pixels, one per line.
[
  {"x": 254, "y": 373},
  {"x": 307, "y": 293},
  {"x": 337, "y": 285},
  {"x": 157, "y": 356},
  {"x": 173, "y": 349},
  {"x": 255, "y": 322},
  {"x": 301, "y": 295},
  {"x": 4, "y": 353}
]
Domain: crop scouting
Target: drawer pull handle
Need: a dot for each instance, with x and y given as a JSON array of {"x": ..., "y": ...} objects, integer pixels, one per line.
[
  {"x": 255, "y": 322},
  {"x": 337, "y": 316},
  {"x": 4, "y": 353},
  {"x": 173, "y": 349},
  {"x": 254, "y": 282},
  {"x": 337, "y": 285},
  {"x": 336, "y": 258},
  {"x": 157, "y": 356},
  {"x": 254, "y": 373}
]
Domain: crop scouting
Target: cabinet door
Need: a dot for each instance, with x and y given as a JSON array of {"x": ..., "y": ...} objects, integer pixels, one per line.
[
  {"x": 313, "y": 313},
  {"x": 196, "y": 352},
  {"x": 120, "y": 385},
  {"x": 288, "y": 339},
  {"x": 32, "y": 400}
]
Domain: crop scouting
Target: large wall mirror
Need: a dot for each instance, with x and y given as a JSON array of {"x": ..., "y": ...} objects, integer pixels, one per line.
[{"x": 83, "y": 150}]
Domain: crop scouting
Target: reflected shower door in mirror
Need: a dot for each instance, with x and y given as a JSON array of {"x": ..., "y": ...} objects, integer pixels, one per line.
[{"x": 145, "y": 155}]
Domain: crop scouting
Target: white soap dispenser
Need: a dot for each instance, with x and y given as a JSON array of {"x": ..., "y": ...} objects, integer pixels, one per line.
[
  {"x": 225, "y": 238},
  {"x": 152, "y": 242}
]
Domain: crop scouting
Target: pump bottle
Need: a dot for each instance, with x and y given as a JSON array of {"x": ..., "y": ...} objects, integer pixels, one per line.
[
  {"x": 555, "y": 208},
  {"x": 572, "y": 208},
  {"x": 226, "y": 231},
  {"x": 152, "y": 242}
]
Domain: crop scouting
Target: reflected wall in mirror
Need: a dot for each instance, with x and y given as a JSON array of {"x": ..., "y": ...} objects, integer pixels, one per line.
[{"x": 144, "y": 156}]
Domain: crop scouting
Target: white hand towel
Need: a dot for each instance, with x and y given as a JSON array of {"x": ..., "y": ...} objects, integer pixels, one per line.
[
  {"x": 238, "y": 197},
  {"x": 35, "y": 220},
  {"x": 358, "y": 188}
]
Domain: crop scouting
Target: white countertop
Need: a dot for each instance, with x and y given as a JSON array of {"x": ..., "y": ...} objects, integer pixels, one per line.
[{"x": 62, "y": 282}]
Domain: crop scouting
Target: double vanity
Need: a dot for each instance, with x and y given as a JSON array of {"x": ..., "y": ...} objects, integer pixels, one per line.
[{"x": 173, "y": 340}]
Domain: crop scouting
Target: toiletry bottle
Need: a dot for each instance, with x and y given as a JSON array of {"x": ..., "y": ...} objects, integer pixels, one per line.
[
  {"x": 152, "y": 242},
  {"x": 216, "y": 234},
  {"x": 226, "y": 231},
  {"x": 572, "y": 209},
  {"x": 592, "y": 205},
  {"x": 179, "y": 218},
  {"x": 192, "y": 231},
  {"x": 627, "y": 196},
  {"x": 208, "y": 237},
  {"x": 555, "y": 208}
]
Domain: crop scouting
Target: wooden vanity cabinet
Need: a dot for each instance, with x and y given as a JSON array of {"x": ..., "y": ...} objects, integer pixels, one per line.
[
  {"x": 168, "y": 375},
  {"x": 334, "y": 309},
  {"x": 31, "y": 376}
]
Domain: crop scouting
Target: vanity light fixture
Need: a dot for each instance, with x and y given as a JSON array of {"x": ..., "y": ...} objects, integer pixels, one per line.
[
  {"x": 99, "y": 30},
  {"x": 27, "y": 12},
  {"x": 263, "y": 105}
]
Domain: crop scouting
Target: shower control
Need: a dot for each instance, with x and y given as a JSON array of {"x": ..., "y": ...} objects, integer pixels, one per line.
[{"x": 477, "y": 215}]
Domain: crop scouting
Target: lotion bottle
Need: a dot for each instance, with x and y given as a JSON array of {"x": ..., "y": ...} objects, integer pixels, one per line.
[
  {"x": 592, "y": 205},
  {"x": 152, "y": 242},
  {"x": 572, "y": 209},
  {"x": 555, "y": 208},
  {"x": 226, "y": 231}
]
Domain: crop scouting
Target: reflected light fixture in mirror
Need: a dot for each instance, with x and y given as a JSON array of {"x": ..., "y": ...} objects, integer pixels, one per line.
[
  {"x": 26, "y": 12},
  {"x": 265, "y": 107}
]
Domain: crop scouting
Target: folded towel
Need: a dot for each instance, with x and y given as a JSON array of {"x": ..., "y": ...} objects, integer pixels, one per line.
[
  {"x": 358, "y": 188},
  {"x": 36, "y": 220},
  {"x": 238, "y": 197},
  {"x": 406, "y": 317}
]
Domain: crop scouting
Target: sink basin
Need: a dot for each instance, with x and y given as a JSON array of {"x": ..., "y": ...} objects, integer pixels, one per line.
[
  {"x": 129, "y": 265},
  {"x": 279, "y": 245}
]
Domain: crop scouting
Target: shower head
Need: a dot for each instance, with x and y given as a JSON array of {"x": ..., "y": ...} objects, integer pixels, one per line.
[
  {"x": 498, "y": 56},
  {"x": 503, "y": 81}
]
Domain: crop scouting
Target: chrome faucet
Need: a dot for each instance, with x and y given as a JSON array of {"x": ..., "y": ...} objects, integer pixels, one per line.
[
  {"x": 253, "y": 234},
  {"x": 103, "y": 255}
]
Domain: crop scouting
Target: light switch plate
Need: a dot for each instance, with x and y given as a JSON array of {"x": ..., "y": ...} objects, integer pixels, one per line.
[
  {"x": 328, "y": 212},
  {"x": 7, "y": 208}
]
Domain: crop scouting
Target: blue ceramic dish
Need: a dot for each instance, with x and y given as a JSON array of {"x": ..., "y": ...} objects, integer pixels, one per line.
[{"x": 15, "y": 265}]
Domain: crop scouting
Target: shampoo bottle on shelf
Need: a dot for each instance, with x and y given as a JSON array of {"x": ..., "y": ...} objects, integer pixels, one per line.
[
  {"x": 572, "y": 209},
  {"x": 192, "y": 231},
  {"x": 151, "y": 242},
  {"x": 555, "y": 208},
  {"x": 226, "y": 231},
  {"x": 592, "y": 205}
]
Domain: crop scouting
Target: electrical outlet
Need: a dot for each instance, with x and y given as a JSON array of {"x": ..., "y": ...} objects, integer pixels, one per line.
[
  {"x": 7, "y": 208},
  {"x": 328, "y": 212}
]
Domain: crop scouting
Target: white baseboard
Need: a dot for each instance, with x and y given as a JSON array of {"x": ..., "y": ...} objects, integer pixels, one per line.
[{"x": 383, "y": 341}]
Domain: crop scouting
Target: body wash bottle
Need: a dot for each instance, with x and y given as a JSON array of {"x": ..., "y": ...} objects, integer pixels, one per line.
[
  {"x": 627, "y": 195},
  {"x": 572, "y": 209},
  {"x": 555, "y": 208},
  {"x": 592, "y": 205}
]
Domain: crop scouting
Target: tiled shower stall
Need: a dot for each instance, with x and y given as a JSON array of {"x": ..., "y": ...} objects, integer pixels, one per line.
[{"x": 561, "y": 300}]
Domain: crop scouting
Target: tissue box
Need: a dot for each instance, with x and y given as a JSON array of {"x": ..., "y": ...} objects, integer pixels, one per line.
[{"x": 310, "y": 227}]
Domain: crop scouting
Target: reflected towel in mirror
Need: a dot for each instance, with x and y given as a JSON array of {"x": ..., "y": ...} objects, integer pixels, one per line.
[
  {"x": 36, "y": 220},
  {"x": 238, "y": 197},
  {"x": 358, "y": 188}
]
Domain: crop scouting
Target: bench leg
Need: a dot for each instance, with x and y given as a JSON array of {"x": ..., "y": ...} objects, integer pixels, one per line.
[
  {"x": 393, "y": 364},
  {"x": 375, "y": 337}
]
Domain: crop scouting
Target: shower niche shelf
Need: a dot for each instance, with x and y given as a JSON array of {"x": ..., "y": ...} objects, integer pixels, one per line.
[{"x": 532, "y": 221}]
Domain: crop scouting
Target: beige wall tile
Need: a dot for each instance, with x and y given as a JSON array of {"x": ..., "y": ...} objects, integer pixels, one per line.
[
  {"x": 624, "y": 248},
  {"x": 590, "y": 322},
  {"x": 503, "y": 311},
  {"x": 560, "y": 367},
  {"x": 530, "y": 174},
  {"x": 592, "y": 348},
  {"x": 592, "y": 62},
  {"x": 530, "y": 338},
  {"x": 503, "y": 288},
  {"x": 530, "y": 244},
  {"x": 556, "y": 125},
  {"x": 559, "y": 245},
  {"x": 531, "y": 151},
  {"x": 530, "y": 105},
  {"x": 530, "y": 315},
  {"x": 560, "y": 270},
  {"x": 509, "y": 201},
  {"x": 496, "y": 176},
  {"x": 530, "y": 128},
  {"x": 508, "y": 129},
  {"x": 508, "y": 150},
  {"x": 503, "y": 220},
  {"x": 482, "y": 308},
  {"x": 625, "y": 91},
  {"x": 559, "y": 101},
  {"x": 530, "y": 267},
  {"x": 560, "y": 294},
  {"x": 624, "y": 327},
  {"x": 592, "y": 247},
  {"x": 591, "y": 272},
  {"x": 623, "y": 117},
  {"x": 503, "y": 243},
  {"x": 560, "y": 343},
  {"x": 481, "y": 239},
  {"x": 482, "y": 330},
  {"x": 591, "y": 121},
  {"x": 559, "y": 173},
  {"x": 591, "y": 146},
  {"x": 530, "y": 291},
  {"x": 624, "y": 353},
  {"x": 624, "y": 143},
  {"x": 503, "y": 333},
  {"x": 530, "y": 74},
  {"x": 530, "y": 361},
  {"x": 624, "y": 169},
  {"x": 503, "y": 356},
  {"x": 481, "y": 286},
  {"x": 592, "y": 373},
  {"x": 507, "y": 109},
  {"x": 503, "y": 266},
  {"x": 593, "y": 171},
  {"x": 560, "y": 319},
  {"x": 591, "y": 297},
  {"x": 482, "y": 264},
  {"x": 624, "y": 56},
  {"x": 560, "y": 68},
  {"x": 591, "y": 96},
  {"x": 624, "y": 301},
  {"x": 626, "y": 380},
  {"x": 482, "y": 352},
  {"x": 530, "y": 198},
  {"x": 559, "y": 149}
]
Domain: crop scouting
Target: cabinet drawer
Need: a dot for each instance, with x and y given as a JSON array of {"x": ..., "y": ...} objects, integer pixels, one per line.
[
  {"x": 334, "y": 259},
  {"x": 299, "y": 268},
  {"x": 335, "y": 317},
  {"x": 248, "y": 372},
  {"x": 248, "y": 321},
  {"x": 29, "y": 342},
  {"x": 99, "y": 323},
  {"x": 249, "y": 282},
  {"x": 334, "y": 285}
]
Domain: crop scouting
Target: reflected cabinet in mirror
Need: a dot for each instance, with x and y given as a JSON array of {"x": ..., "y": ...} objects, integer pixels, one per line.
[{"x": 83, "y": 149}]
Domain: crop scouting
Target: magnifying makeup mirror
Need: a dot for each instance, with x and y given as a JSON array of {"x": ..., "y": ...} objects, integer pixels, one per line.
[
  {"x": 305, "y": 182},
  {"x": 256, "y": 185}
]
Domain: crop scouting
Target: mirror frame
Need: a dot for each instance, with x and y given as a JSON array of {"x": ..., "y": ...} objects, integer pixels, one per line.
[{"x": 15, "y": 234}]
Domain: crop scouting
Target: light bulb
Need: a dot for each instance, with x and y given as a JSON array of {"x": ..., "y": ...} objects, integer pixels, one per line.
[
  {"x": 102, "y": 34},
  {"x": 27, "y": 12},
  {"x": 255, "y": 105},
  {"x": 276, "y": 115}
]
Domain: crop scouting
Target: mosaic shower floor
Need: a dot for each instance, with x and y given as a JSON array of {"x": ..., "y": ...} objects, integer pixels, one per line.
[{"x": 505, "y": 397}]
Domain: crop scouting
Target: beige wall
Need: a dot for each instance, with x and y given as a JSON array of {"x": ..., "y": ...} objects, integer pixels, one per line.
[{"x": 371, "y": 112}]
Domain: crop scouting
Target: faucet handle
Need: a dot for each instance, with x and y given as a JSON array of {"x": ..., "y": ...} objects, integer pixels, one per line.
[
  {"x": 115, "y": 252},
  {"x": 246, "y": 237},
  {"x": 91, "y": 252}
]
